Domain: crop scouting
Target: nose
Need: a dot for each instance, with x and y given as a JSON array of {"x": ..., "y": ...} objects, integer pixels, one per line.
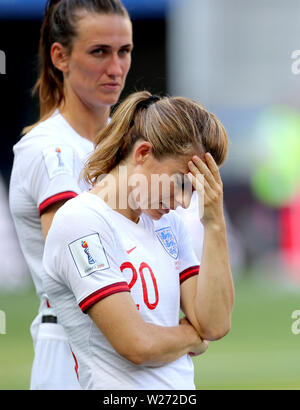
[{"x": 114, "y": 68}]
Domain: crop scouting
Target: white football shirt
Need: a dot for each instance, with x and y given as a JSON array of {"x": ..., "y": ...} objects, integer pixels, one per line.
[
  {"x": 92, "y": 252},
  {"x": 47, "y": 164}
]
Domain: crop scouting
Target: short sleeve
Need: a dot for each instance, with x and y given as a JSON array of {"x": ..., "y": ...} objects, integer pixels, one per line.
[
  {"x": 56, "y": 175},
  {"x": 52, "y": 172},
  {"x": 86, "y": 260},
  {"x": 188, "y": 261},
  {"x": 193, "y": 226}
]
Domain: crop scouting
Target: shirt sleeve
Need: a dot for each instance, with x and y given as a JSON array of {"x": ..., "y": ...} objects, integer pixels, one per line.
[
  {"x": 194, "y": 227},
  {"x": 86, "y": 260},
  {"x": 188, "y": 262},
  {"x": 53, "y": 175}
]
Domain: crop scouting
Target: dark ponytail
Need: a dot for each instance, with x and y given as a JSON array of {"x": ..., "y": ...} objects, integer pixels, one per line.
[{"x": 50, "y": 83}]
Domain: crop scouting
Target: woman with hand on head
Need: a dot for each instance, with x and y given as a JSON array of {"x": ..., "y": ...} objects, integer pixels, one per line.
[
  {"x": 85, "y": 55},
  {"x": 118, "y": 272}
]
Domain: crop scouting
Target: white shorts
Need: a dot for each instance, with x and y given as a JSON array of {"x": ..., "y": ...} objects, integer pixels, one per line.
[{"x": 54, "y": 366}]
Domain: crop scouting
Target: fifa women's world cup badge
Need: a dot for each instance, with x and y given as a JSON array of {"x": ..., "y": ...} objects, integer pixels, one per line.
[
  {"x": 58, "y": 160},
  {"x": 58, "y": 154},
  {"x": 87, "y": 252}
]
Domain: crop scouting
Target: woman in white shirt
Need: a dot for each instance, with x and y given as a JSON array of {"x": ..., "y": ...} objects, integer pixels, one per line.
[{"x": 118, "y": 271}]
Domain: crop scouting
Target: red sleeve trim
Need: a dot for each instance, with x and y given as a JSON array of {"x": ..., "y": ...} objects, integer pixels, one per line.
[
  {"x": 188, "y": 273},
  {"x": 56, "y": 198},
  {"x": 103, "y": 293}
]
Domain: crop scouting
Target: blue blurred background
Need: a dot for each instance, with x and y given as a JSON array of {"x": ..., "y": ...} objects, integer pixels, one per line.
[{"x": 240, "y": 60}]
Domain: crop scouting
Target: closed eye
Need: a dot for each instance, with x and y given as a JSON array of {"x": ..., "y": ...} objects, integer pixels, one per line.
[{"x": 183, "y": 182}]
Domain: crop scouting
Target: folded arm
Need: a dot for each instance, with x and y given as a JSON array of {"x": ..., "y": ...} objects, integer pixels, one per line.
[{"x": 140, "y": 342}]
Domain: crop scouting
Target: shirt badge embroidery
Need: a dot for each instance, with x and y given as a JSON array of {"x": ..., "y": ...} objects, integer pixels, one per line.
[
  {"x": 88, "y": 255},
  {"x": 168, "y": 241}
]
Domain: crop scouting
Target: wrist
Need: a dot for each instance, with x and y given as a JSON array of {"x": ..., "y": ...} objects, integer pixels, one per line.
[
  {"x": 190, "y": 333},
  {"x": 213, "y": 225}
]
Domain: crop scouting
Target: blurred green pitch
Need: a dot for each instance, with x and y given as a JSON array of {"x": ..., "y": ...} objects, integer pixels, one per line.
[{"x": 260, "y": 352}]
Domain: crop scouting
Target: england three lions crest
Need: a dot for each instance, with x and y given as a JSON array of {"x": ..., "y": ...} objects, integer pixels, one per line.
[{"x": 168, "y": 241}]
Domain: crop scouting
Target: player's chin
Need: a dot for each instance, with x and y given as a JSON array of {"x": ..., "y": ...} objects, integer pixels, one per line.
[{"x": 109, "y": 98}]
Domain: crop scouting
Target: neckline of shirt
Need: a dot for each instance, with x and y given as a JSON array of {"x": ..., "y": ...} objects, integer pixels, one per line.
[
  {"x": 64, "y": 121},
  {"x": 140, "y": 223}
]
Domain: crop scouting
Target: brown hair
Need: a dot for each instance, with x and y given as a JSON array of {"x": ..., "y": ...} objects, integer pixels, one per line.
[
  {"x": 59, "y": 25},
  {"x": 173, "y": 125}
]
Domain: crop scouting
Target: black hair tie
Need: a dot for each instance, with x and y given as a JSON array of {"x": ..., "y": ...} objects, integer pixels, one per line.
[{"x": 143, "y": 105}]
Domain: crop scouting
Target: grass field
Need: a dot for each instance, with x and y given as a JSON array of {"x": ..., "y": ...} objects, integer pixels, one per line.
[{"x": 260, "y": 352}]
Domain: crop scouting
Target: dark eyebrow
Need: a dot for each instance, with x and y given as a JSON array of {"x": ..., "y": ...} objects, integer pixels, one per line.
[
  {"x": 101, "y": 46},
  {"x": 107, "y": 47},
  {"x": 127, "y": 45}
]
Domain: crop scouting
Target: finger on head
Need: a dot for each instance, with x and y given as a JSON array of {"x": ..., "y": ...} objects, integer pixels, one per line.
[{"x": 212, "y": 165}]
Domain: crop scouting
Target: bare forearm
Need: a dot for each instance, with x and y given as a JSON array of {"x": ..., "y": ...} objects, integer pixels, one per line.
[
  {"x": 215, "y": 291},
  {"x": 138, "y": 341},
  {"x": 166, "y": 344},
  {"x": 209, "y": 307}
]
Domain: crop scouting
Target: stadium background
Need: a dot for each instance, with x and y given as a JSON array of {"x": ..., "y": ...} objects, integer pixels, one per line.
[{"x": 239, "y": 60}]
